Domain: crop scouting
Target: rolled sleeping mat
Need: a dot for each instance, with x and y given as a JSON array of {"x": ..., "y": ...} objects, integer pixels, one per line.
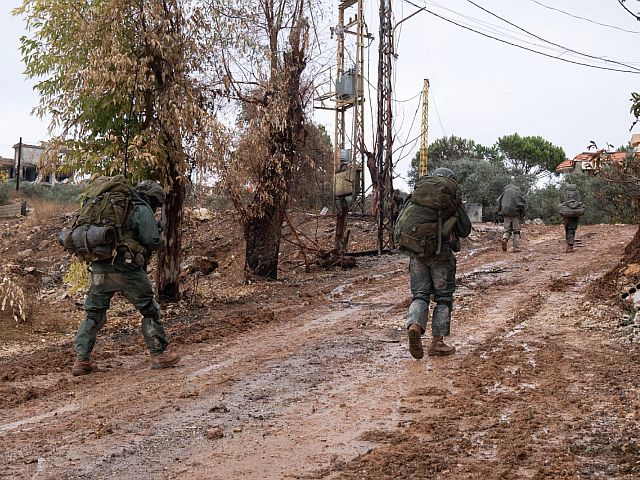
[{"x": 100, "y": 235}]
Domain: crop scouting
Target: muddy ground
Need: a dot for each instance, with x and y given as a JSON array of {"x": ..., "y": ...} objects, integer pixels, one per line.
[{"x": 309, "y": 377}]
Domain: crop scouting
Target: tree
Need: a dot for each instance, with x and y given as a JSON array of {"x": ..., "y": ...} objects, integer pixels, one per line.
[
  {"x": 448, "y": 150},
  {"x": 530, "y": 155},
  {"x": 119, "y": 80},
  {"x": 259, "y": 51}
]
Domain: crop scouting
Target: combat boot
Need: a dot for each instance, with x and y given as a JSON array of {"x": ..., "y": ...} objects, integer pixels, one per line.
[
  {"x": 82, "y": 367},
  {"x": 568, "y": 248},
  {"x": 438, "y": 347},
  {"x": 164, "y": 360},
  {"x": 415, "y": 341},
  {"x": 503, "y": 243}
]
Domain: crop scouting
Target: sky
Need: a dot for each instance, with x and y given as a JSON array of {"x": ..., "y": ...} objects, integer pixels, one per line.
[{"x": 480, "y": 89}]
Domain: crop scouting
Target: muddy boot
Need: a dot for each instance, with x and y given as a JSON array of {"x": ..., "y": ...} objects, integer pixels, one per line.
[
  {"x": 438, "y": 347},
  {"x": 415, "y": 341},
  {"x": 568, "y": 248},
  {"x": 516, "y": 249},
  {"x": 82, "y": 367},
  {"x": 164, "y": 360},
  {"x": 503, "y": 243}
]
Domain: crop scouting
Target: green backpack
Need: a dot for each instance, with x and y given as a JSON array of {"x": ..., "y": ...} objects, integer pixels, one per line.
[
  {"x": 104, "y": 211},
  {"x": 428, "y": 217}
]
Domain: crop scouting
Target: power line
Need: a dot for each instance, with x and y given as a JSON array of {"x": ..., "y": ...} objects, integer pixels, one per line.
[
  {"x": 556, "y": 57},
  {"x": 435, "y": 106},
  {"x": 547, "y": 41},
  {"x": 585, "y": 18}
]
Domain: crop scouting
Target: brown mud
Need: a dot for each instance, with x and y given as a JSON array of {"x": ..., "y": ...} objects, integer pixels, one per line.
[{"x": 310, "y": 377}]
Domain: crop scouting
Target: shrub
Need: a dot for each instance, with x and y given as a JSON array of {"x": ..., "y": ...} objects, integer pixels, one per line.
[{"x": 60, "y": 193}]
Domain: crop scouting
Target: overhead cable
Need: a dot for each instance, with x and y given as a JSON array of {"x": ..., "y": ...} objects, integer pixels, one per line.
[
  {"x": 556, "y": 57},
  {"x": 585, "y": 18},
  {"x": 547, "y": 41}
]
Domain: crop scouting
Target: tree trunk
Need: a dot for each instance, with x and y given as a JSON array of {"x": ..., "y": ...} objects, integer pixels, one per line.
[
  {"x": 262, "y": 235},
  {"x": 170, "y": 255},
  {"x": 285, "y": 138}
]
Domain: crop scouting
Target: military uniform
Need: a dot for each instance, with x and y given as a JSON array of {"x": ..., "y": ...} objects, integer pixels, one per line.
[
  {"x": 435, "y": 276},
  {"x": 571, "y": 222},
  {"x": 107, "y": 278},
  {"x": 127, "y": 274},
  {"x": 513, "y": 206}
]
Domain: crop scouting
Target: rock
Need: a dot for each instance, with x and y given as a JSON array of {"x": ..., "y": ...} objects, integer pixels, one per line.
[
  {"x": 214, "y": 433},
  {"x": 24, "y": 253},
  {"x": 43, "y": 245},
  {"x": 538, "y": 221},
  {"x": 200, "y": 264},
  {"x": 632, "y": 270},
  {"x": 201, "y": 214},
  {"x": 29, "y": 269}
]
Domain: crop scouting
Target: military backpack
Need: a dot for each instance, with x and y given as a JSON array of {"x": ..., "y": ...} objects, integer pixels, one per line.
[
  {"x": 428, "y": 217},
  {"x": 99, "y": 230},
  {"x": 572, "y": 207}
]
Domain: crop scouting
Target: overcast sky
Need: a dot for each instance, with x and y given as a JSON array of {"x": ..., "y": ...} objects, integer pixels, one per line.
[{"x": 481, "y": 89}]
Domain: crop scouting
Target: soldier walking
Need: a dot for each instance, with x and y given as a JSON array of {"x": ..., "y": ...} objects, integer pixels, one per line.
[
  {"x": 431, "y": 235},
  {"x": 512, "y": 206}
]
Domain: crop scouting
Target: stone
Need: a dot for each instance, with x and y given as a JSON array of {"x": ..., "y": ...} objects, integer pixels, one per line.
[
  {"x": 25, "y": 253},
  {"x": 202, "y": 214},
  {"x": 214, "y": 433},
  {"x": 200, "y": 264}
]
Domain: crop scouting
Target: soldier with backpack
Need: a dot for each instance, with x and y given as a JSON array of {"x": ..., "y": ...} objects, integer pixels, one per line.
[
  {"x": 512, "y": 206},
  {"x": 571, "y": 210},
  {"x": 429, "y": 229},
  {"x": 116, "y": 232}
]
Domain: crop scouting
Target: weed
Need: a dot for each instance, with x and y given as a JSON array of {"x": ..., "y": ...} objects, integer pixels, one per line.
[{"x": 12, "y": 298}]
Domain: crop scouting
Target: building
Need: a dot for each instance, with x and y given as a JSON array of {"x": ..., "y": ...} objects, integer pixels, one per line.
[
  {"x": 30, "y": 156},
  {"x": 591, "y": 162}
]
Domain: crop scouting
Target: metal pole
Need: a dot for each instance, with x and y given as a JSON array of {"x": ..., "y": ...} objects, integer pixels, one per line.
[
  {"x": 424, "y": 143},
  {"x": 19, "y": 165}
]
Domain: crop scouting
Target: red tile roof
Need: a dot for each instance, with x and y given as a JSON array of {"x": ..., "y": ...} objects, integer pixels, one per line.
[{"x": 566, "y": 165}]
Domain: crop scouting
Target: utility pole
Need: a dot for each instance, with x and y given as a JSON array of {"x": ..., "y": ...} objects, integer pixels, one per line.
[
  {"x": 384, "y": 131},
  {"x": 18, "y": 170},
  {"x": 424, "y": 142},
  {"x": 348, "y": 97}
]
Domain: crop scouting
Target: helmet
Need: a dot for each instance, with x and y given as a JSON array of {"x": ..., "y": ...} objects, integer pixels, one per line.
[
  {"x": 443, "y": 172},
  {"x": 151, "y": 191}
]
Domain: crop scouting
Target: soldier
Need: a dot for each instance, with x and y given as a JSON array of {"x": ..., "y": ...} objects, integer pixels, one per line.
[
  {"x": 512, "y": 206},
  {"x": 571, "y": 210},
  {"x": 127, "y": 273},
  {"x": 436, "y": 275}
]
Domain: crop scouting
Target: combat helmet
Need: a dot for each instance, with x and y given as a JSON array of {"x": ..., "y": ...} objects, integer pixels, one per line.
[
  {"x": 444, "y": 172},
  {"x": 151, "y": 192}
]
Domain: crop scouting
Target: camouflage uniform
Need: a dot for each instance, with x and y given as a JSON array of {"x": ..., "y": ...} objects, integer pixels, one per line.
[
  {"x": 571, "y": 223},
  {"x": 436, "y": 276},
  {"x": 512, "y": 206},
  {"x": 109, "y": 277}
]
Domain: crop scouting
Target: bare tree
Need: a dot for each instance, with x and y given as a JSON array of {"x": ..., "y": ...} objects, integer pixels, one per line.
[{"x": 260, "y": 51}]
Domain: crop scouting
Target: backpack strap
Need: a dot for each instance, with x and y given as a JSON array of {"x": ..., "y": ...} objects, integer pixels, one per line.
[{"x": 439, "y": 232}]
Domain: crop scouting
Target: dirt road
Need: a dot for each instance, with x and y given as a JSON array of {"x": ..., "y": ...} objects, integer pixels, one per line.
[{"x": 312, "y": 379}]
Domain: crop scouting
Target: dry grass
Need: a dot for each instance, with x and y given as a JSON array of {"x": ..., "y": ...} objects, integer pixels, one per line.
[{"x": 41, "y": 212}]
